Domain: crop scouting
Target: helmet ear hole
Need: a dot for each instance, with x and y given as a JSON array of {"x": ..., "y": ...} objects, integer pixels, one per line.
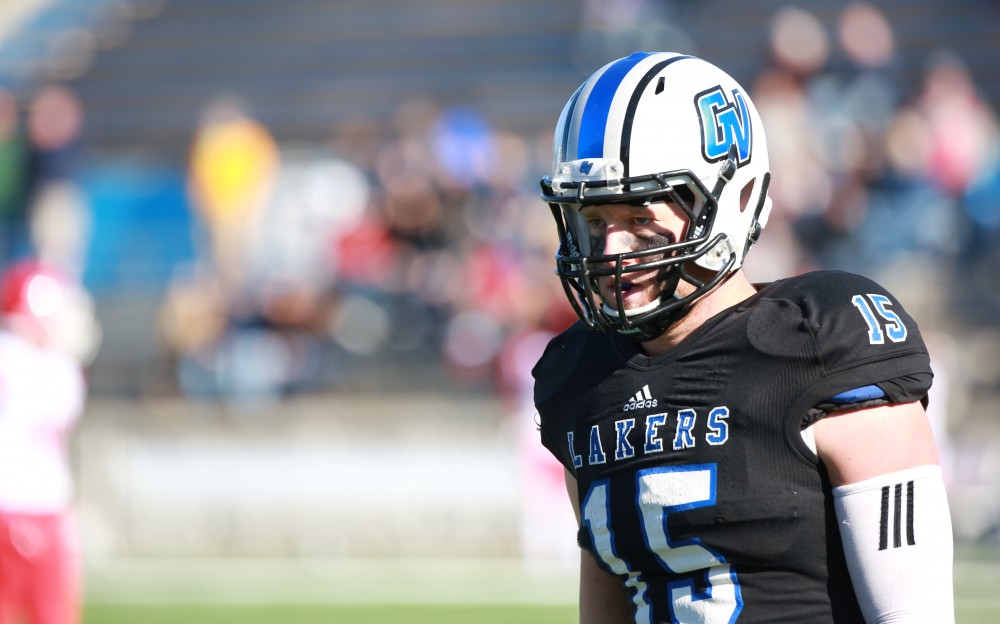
[{"x": 745, "y": 195}]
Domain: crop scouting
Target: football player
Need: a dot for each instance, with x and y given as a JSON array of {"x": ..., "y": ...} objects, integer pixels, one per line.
[
  {"x": 734, "y": 452},
  {"x": 46, "y": 325}
]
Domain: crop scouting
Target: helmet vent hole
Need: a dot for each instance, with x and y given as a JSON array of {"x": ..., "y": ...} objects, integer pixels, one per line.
[
  {"x": 659, "y": 86},
  {"x": 745, "y": 195}
]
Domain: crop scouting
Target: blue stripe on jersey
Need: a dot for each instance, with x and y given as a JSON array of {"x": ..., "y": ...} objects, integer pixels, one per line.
[
  {"x": 864, "y": 393},
  {"x": 595, "y": 114}
]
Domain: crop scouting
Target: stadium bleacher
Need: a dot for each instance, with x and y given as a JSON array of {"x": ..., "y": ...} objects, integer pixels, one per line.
[{"x": 304, "y": 65}]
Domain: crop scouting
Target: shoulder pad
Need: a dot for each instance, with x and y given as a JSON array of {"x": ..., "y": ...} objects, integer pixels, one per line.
[
  {"x": 849, "y": 318},
  {"x": 558, "y": 361}
]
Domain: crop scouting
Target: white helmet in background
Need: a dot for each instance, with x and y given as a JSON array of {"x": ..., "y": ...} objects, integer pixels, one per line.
[
  {"x": 653, "y": 127},
  {"x": 45, "y": 305}
]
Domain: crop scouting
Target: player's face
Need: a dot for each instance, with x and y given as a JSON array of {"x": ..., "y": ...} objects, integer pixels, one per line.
[{"x": 623, "y": 228}]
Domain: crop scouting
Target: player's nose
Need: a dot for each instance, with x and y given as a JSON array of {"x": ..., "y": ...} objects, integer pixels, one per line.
[{"x": 618, "y": 240}]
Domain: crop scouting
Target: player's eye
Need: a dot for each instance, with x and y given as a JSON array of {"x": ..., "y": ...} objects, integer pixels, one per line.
[{"x": 642, "y": 220}]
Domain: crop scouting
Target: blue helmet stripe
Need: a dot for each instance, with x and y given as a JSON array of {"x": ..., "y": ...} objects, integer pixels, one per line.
[
  {"x": 595, "y": 114},
  {"x": 568, "y": 123}
]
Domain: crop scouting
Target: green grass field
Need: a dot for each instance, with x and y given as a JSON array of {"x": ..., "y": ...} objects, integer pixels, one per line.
[
  {"x": 290, "y": 592},
  {"x": 326, "y": 614},
  {"x": 373, "y": 614},
  {"x": 390, "y": 593},
  {"x": 397, "y": 614}
]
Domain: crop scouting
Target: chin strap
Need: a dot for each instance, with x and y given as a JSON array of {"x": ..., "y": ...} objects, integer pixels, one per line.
[
  {"x": 643, "y": 331},
  {"x": 756, "y": 229},
  {"x": 653, "y": 329}
]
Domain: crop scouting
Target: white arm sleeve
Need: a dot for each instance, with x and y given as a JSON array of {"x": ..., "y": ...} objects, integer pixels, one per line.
[{"x": 896, "y": 530}]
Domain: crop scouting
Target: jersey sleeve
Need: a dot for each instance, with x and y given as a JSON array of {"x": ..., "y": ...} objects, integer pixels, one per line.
[
  {"x": 551, "y": 374},
  {"x": 870, "y": 349}
]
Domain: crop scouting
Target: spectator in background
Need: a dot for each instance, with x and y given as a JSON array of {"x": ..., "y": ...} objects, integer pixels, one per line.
[
  {"x": 963, "y": 130},
  {"x": 47, "y": 333},
  {"x": 13, "y": 165},
  {"x": 211, "y": 318},
  {"x": 248, "y": 325},
  {"x": 802, "y": 186},
  {"x": 58, "y": 212},
  {"x": 54, "y": 123},
  {"x": 234, "y": 162}
]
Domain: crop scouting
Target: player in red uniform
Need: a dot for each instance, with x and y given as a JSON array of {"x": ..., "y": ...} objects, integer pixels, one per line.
[
  {"x": 734, "y": 452},
  {"x": 42, "y": 394}
]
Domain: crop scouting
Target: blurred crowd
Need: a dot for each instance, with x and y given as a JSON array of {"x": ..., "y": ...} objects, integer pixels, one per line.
[
  {"x": 425, "y": 236},
  {"x": 420, "y": 240},
  {"x": 866, "y": 175},
  {"x": 43, "y": 212},
  {"x": 423, "y": 239}
]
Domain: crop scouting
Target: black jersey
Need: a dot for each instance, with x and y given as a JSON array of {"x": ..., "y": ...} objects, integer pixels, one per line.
[{"x": 695, "y": 484}]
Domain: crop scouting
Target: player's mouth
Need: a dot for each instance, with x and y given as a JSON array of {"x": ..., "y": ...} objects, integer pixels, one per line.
[
  {"x": 629, "y": 287},
  {"x": 632, "y": 292}
]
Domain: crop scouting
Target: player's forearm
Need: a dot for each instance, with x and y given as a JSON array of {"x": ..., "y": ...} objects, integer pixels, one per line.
[{"x": 897, "y": 537}]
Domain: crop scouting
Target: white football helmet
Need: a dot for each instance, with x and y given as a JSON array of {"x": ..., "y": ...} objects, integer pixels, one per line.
[
  {"x": 652, "y": 127},
  {"x": 45, "y": 305}
]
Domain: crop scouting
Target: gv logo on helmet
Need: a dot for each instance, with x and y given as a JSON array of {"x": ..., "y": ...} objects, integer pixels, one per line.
[{"x": 723, "y": 123}]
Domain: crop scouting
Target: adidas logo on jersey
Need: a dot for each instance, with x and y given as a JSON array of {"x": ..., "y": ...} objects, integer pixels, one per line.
[{"x": 641, "y": 400}]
